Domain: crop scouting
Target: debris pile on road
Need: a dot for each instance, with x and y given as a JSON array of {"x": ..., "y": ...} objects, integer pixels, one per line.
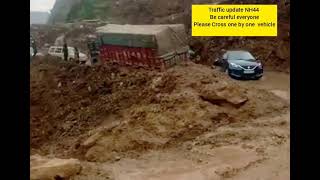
[{"x": 105, "y": 112}]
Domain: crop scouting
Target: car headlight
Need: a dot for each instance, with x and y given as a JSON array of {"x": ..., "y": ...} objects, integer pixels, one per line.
[
  {"x": 260, "y": 65},
  {"x": 234, "y": 65}
]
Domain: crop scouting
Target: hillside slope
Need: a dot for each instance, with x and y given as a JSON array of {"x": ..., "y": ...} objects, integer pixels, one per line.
[
  {"x": 125, "y": 11},
  {"x": 61, "y": 10},
  {"x": 37, "y": 17}
]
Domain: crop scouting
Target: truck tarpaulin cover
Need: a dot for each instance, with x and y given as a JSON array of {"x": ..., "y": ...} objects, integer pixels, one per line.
[{"x": 164, "y": 38}]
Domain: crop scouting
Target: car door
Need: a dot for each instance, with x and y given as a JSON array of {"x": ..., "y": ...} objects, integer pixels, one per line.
[
  {"x": 71, "y": 53},
  {"x": 58, "y": 52},
  {"x": 31, "y": 51},
  {"x": 222, "y": 61}
]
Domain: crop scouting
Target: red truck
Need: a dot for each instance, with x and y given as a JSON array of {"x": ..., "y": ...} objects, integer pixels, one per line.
[{"x": 151, "y": 46}]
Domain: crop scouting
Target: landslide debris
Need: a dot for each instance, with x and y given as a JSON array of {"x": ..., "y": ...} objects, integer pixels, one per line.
[{"x": 106, "y": 112}]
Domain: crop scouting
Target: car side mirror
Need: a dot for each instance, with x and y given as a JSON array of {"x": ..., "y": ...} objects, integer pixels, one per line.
[{"x": 218, "y": 62}]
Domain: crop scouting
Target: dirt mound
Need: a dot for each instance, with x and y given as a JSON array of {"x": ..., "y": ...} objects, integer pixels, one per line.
[
  {"x": 68, "y": 100},
  {"x": 105, "y": 113},
  {"x": 183, "y": 114},
  {"x": 47, "y": 169}
]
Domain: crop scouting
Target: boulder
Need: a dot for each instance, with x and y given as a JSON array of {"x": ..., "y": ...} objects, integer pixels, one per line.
[
  {"x": 92, "y": 139},
  {"x": 42, "y": 168},
  {"x": 224, "y": 95}
]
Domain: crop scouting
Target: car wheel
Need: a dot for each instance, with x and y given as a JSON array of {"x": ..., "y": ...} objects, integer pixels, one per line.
[
  {"x": 94, "y": 60},
  {"x": 257, "y": 78}
]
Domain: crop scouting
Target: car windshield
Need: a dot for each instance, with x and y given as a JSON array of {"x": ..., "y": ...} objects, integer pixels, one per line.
[
  {"x": 240, "y": 55},
  {"x": 58, "y": 50}
]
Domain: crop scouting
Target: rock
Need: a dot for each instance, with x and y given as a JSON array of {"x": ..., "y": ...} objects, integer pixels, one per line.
[
  {"x": 205, "y": 80},
  {"x": 259, "y": 150},
  {"x": 157, "y": 82},
  {"x": 48, "y": 169},
  {"x": 247, "y": 146},
  {"x": 117, "y": 158},
  {"x": 113, "y": 76},
  {"x": 235, "y": 99},
  {"x": 98, "y": 133},
  {"x": 59, "y": 85},
  {"x": 122, "y": 74},
  {"x": 92, "y": 139},
  {"x": 223, "y": 95},
  {"x": 221, "y": 170}
]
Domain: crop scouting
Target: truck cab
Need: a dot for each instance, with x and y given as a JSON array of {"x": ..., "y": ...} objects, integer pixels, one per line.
[{"x": 93, "y": 44}]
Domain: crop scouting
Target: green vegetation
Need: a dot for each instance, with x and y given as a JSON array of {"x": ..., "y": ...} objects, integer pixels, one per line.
[{"x": 83, "y": 10}]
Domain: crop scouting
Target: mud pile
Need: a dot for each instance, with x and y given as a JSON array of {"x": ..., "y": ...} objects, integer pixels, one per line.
[
  {"x": 106, "y": 113},
  {"x": 45, "y": 168},
  {"x": 67, "y": 99}
]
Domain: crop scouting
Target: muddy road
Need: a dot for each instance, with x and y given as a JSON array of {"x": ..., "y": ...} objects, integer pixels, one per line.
[
  {"x": 277, "y": 166},
  {"x": 272, "y": 80},
  {"x": 276, "y": 82}
]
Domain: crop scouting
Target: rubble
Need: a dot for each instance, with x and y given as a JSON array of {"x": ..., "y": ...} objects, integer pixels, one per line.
[
  {"x": 92, "y": 139},
  {"x": 158, "y": 108}
]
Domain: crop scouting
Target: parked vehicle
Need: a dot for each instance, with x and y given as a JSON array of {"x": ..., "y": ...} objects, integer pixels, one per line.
[
  {"x": 31, "y": 53},
  {"x": 150, "y": 46},
  {"x": 32, "y": 48},
  {"x": 57, "y": 51},
  {"x": 240, "y": 64}
]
